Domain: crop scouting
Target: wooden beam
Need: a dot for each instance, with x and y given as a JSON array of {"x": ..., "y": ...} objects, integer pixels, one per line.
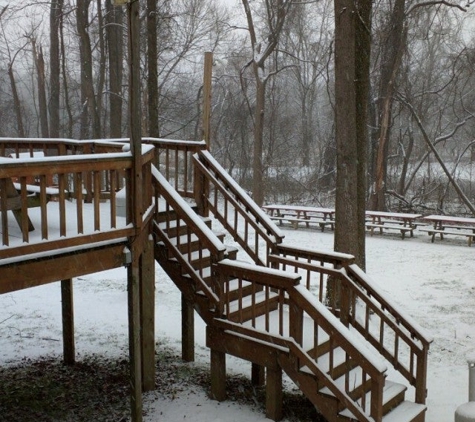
[
  {"x": 274, "y": 394},
  {"x": 258, "y": 375},
  {"x": 31, "y": 273},
  {"x": 67, "y": 305},
  {"x": 133, "y": 289},
  {"x": 187, "y": 330},
  {"x": 218, "y": 375},
  {"x": 147, "y": 314}
]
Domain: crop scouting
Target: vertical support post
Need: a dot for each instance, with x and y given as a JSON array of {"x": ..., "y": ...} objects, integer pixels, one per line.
[
  {"x": 67, "y": 305},
  {"x": 147, "y": 296},
  {"x": 207, "y": 78},
  {"x": 296, "y": 323},
  {"x": 133, "y": 290},
  {"x": 274, "y": 394},
  {"x": 187, "y": 330},
  {"x": 218, "y": 375},
  {"x": 135, "y": 115},
  {"x": 258, "y": 375},
  {"x": 133, "y": 279}
]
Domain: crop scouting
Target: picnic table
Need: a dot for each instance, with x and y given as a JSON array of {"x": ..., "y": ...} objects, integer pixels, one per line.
[
  {"x": 382, "y": 220},
  {"x": 445, "y": 224},
  {"x": 296, "y": 214}
]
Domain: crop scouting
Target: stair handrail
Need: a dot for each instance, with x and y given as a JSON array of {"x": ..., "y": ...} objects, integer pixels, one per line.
[
  {"x": 252, "y": 214},
  {"x": 301, "y": 300},
  {"x": 357, "y": 287},
  {"x": 201, "y": 230}
]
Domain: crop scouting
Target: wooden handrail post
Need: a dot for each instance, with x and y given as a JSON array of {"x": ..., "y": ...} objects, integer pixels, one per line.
[{"x": 207, "y": 77}]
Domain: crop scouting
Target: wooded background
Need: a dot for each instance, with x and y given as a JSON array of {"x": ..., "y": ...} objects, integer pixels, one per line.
[{"x": 63, "y": 73}]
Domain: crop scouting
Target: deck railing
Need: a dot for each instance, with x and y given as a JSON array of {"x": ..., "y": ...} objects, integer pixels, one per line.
[
  {"x": 174, "y": 160},
  {"x": 235, "y": 210},
  {"x": 291, "y": 318},
  {"x": 47, "y": 185},
  {"x": 185, "y": 235},
  {"x": 397, "y": 338}
]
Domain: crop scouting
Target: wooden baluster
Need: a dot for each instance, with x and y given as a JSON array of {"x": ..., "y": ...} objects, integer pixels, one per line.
[{"x": 62, "y": 204}]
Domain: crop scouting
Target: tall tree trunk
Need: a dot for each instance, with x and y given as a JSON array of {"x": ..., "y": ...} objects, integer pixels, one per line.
[
  {"x": 43, "y": 105},
  {"x": 16, "y": 103},
  {"x": 352, "y": 55},
  {"x": 102, "y": 66},
  {"x": 55, "y": 68},
  {"x": 257, "y": 161},
  {"x": 391, "y": 59},
  {"x": 67, "y": 104},
  {"x": 88, "y": 97},
  {"x": 152, "y": 59},
  {"x": 115, "y": 19}
]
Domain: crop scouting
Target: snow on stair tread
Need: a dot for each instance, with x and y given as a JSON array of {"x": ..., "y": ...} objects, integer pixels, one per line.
[
  {"x": 173, "y": 223},
  {"x": 246, "y": 301},
  {"x": 308, "y": 327},
  {"x": 390, "y": 390},
  {"x": 355, "y": 380},
  {"x": 405, "y": 412}
]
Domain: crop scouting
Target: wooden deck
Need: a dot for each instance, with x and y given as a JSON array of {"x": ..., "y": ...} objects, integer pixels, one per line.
[{"x": 261, "y": 310}]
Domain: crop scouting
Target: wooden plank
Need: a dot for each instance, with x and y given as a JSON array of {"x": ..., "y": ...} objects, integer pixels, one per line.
[
  {"x": 25, "y": 274},
  {"x": 53, "y": 246}
]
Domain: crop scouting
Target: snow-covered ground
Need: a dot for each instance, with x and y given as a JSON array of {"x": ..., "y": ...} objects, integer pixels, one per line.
[{"x": 433, "y": 283}]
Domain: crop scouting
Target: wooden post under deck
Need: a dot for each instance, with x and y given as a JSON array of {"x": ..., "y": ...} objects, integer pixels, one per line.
[
  {"x": 258, "y": 375},
  {"x": 187, "y": 330},
  {"x": 147, "y": 314},
  {"x": 218, "y": 375},
  {"x": 274, "y": 394},
  {"x": 136, "y": 247},
  {"x": 67, "y": 305}
]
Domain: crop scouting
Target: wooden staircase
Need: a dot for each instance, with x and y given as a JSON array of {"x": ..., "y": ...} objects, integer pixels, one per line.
[{"x": 270, "y": 308}]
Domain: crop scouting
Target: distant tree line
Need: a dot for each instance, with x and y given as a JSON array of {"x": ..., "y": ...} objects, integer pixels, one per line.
[{"x": 63, "y": 72}]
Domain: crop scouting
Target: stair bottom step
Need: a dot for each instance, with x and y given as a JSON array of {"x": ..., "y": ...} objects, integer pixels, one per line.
[{"x": 406, "y": 411}]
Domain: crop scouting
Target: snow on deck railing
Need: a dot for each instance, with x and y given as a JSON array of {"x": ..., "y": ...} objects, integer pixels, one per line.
[{"x": 57, "y": 197}]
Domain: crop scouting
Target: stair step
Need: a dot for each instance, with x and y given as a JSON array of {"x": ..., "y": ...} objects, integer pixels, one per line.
[
  {"x": 355, "y": 382},
  {"x": 406, "y": 412},
  {"x": 393, "y": 396}
]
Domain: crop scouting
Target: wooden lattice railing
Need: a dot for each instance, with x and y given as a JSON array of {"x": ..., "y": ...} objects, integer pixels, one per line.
[{"x": 400, "y": 340}]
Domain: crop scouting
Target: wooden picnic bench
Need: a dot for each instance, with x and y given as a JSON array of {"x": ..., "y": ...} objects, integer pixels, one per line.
[
  {"x": 449, "y": 225},
  {"x": 295, "y": 215},
  {"x": 381, "y": 220}
]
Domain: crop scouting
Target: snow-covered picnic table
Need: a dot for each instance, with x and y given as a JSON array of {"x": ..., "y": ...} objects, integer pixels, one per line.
[
  {"x": 445, "y": 224},
  {"x": 295, "y": 214},
  {"x": 404, "y": 222}
]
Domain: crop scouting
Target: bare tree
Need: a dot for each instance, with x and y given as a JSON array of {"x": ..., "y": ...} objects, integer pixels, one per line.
[
  {"x": 352, "y": 59},
  {"x": 114, "y": 33},
  {"x": 55, "y": 67},
  {"x": 275, "y": 16}
]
